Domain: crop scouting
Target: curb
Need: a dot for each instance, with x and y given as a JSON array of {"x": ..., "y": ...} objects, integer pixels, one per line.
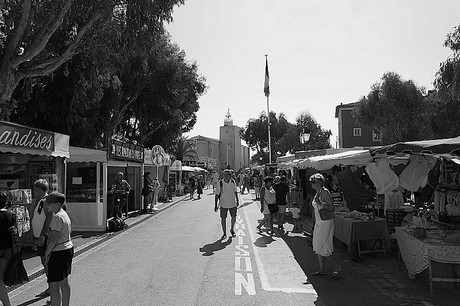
[{"x": 104, "y": 237}]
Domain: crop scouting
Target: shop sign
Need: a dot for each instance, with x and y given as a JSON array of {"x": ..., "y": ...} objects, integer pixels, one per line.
[
  {"x": 12, "y": 135},
  {"x": 126, "y": 151},
  {"x": 194, "y": 163}
]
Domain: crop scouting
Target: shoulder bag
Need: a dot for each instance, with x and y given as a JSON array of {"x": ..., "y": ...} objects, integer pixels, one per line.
[{"x": 325, "y": 213}]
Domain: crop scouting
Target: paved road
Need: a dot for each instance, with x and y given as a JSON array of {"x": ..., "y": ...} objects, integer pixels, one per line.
[{"x": 176, "y": 257}]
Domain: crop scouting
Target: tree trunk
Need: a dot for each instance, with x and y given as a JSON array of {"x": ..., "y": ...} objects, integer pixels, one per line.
[{"x": 8, "y": 83}]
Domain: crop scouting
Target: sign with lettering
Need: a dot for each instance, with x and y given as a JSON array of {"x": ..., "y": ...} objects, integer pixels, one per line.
[
  {"x": 14, "y": 135},
  {"x": 194, "y": 163},
  {"x": 126, "y": 151}
]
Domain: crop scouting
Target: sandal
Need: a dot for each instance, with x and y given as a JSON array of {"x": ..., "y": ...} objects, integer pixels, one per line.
[
  {"x": 318, "y": 274},
  {"x": 336, "y": 273}
]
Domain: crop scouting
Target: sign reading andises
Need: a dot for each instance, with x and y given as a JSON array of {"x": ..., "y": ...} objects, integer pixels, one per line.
[
  {"x": 19, "y": 136},
  {"x": 126, "y": 151}
]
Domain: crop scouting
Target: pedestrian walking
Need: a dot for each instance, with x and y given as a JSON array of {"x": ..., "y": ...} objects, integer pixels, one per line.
[
  {"x": 227, "y": 197},
  {"x": 295, "y": 211},
  {"x": 215, "y": 180},
  {"x": 268, "y": 206},
  {"x": 6, "y": 246},
  {"x": 282, "y": 199},
  {"x": 60, "y": 251},
  {"x": 323, "y": 232},
  {"x": 192, "y": 185},
  {"x": 41, "y": 220},
  {"x": 257, "y": 185},
  {"x": 199, "y": 186}
]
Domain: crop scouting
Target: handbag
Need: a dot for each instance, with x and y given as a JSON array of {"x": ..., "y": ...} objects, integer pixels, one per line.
[
  {"x": 324, "y": 213},
  {"x": 15, "y": 272}
]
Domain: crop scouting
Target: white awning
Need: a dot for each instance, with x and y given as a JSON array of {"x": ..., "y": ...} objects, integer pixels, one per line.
[
  {"x": 61, "y": 148},
  {"x": 81, "y": 155},
  {"x": 324, "y": 162}
]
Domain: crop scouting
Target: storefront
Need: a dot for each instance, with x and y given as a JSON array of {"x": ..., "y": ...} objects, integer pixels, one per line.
[
  {"x": 86, "y": 189},
  {"x": 156, "y": 167},
  {"x": 127, "y": 158},
  {"x": 27, "y": 154}
]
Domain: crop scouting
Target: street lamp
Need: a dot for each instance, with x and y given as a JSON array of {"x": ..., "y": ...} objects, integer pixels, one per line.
[{"x": 304, "y": 138}]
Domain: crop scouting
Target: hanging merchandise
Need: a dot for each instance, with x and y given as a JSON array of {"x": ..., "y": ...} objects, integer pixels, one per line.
[{"x": 383, "y": 177}]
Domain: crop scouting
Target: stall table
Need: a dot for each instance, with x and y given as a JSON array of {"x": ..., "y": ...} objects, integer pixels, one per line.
[
  {"x": 419, "y": 253},
  {"x": 351, "y": 230}
]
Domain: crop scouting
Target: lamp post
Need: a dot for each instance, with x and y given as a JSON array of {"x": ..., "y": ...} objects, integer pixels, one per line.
[{"x": 304, "y": 138}]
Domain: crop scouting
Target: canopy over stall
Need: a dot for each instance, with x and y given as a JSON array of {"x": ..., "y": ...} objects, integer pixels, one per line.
[
  {"x": 325, "y": 162},
  {"x": 439, "y": 146}
]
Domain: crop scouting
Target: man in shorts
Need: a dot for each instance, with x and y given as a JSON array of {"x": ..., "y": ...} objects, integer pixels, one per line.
[
  {"x": 282, "y": 198},
  {"x": 227, "y": 197}
]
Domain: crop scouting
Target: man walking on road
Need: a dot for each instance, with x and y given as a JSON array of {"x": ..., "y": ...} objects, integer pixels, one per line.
[
  {"x": 227, "y": 197},
  {"x": 282, "y": 198}
]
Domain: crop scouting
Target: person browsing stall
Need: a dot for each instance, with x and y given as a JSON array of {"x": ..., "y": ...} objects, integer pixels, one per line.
[
  {"x": 227, "y": 197},
  {"x": 323, "y": 232}
]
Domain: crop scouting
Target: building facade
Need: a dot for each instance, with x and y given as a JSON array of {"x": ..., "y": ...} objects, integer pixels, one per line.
[
  {"x": 352, "y": 134},
  {"x": 227, "y": 151},
  {"x": 233, "y": 154}
]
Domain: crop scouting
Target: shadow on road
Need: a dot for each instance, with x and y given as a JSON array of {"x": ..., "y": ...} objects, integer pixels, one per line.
[
  {"x": 263, "y": 241},
  {"x": 210, "y": 248},
  {"x": 32, "y": 301}
]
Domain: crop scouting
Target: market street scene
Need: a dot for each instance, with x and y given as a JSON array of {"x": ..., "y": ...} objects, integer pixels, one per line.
[{"x": 229, "y": 152}]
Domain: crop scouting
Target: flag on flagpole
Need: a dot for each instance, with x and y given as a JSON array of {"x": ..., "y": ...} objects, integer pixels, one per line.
[{"x": 266, "y": 85}]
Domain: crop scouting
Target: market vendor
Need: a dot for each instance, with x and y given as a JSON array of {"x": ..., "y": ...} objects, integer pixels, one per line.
[{"x": 120, "y": 189}]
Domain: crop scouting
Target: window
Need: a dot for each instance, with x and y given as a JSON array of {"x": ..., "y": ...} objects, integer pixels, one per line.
[
  {"x": 376, "y": 135},
  {"x": 356, "y": 131}
]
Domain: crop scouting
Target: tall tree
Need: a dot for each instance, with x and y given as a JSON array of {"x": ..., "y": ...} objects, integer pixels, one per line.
[
  {"x": 284, "y": 135},
  {"x": 444, "y": 106},
  {"x": 37, "y": 37},
  {"x": 397, "y": 108},
  {"x": 184, "y": 149}
]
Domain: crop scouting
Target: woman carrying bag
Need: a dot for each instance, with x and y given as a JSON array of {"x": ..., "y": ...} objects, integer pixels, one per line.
[
  {"x": 268, "y": 204},
  {"x": 323, "y": 232}
]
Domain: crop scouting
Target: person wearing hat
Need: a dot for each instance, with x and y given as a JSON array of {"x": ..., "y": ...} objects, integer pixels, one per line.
[{"x": 227, "y": 197}]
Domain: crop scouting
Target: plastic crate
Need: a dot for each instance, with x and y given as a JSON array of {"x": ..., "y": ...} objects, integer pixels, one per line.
[{"x": 394, "y": 218}]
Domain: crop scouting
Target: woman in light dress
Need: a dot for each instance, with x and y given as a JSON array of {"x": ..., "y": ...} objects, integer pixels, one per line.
[{"x": 323, "y": 232}]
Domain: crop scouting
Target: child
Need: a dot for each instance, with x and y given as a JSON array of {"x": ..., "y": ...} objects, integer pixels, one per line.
[{"x": 296, "y": 216}]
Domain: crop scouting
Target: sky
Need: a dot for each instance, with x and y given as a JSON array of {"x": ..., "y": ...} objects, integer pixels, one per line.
[{"x": 320, "y": 53}]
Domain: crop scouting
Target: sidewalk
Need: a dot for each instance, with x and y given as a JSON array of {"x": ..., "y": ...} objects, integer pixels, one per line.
[
  {"x": 389, "y": 276},
  {"x": 84, "y": 241}
]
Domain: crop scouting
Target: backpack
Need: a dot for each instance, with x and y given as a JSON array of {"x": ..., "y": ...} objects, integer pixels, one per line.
[
  {"x": 116, "y": 224},
  {"x": 222, "y": 187}
]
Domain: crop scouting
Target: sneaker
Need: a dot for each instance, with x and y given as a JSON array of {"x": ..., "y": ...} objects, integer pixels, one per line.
[{"x": 233, "y": 233}]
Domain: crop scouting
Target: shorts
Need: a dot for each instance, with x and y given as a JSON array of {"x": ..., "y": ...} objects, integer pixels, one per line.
[
  {"x": 60, "y": 265},
  {"x": 282, "y": 209},
  {"x": 223, "y": 212},
  {"x": 6, "y": 253}
]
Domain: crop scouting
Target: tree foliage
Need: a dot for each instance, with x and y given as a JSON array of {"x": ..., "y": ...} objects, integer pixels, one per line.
[
  {"x": 284, "y": 135},
  {"x": 145, "y": 91},
  {"x": 397, "y": 108},
  {"x": 38, "y": 36},
  {"x": 444, "y": 107},
  {"x": 184, "y": 149}
]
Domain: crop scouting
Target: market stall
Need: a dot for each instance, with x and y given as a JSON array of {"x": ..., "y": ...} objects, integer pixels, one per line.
[
  {"x": 86, "y": 189},
  {"x": 27, "y": 154},
  {"x": 354, "y": 229},
  {"x": 435, "y": 250},
  {"x": 156, "y": 171}
]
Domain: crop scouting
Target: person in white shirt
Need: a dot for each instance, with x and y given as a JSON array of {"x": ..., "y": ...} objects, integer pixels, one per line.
[
  {"x": 227, "y": 197},
  {"x": 59, "y": 251}
]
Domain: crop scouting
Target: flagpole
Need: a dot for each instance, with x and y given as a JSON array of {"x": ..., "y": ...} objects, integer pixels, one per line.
[
  {"x": 269, "y": 137},
  {"x": 267, "y": 94}
]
